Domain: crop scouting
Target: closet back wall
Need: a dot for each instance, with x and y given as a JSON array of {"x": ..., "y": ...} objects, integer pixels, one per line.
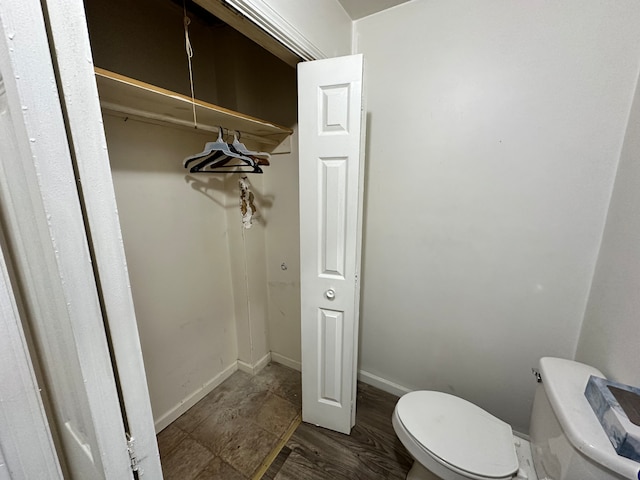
[
  {"x": 178, "y": 259},
  {"x": 199, "y": 281}
]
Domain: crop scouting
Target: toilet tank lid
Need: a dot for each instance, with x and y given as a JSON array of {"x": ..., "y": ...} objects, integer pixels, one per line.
[{"x": 564, "y": 383}]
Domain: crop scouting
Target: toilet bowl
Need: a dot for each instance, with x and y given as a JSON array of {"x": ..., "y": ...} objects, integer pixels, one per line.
[{"x": 453, "y": 439}]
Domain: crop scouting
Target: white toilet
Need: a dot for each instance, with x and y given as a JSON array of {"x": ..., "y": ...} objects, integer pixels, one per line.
[{"x": 452, "y": 439}]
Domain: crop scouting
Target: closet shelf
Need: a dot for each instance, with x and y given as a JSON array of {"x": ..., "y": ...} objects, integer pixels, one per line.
[{"x": 132, "y": 98}]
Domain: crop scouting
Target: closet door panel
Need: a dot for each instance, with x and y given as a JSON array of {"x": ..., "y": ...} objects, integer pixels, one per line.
[
  {"x": 331, "y": 129},
  {"x": 91, "y": 161},
  {"x": 48, "y": 248}
]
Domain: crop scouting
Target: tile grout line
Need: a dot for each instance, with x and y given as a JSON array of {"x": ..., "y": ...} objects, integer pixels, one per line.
[{"x": 276, "y": 450}]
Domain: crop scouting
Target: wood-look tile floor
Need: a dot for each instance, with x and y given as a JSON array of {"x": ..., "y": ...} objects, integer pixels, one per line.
[
  {"x": 371, "y": 452},
  {"x": 229, "y": 434}
]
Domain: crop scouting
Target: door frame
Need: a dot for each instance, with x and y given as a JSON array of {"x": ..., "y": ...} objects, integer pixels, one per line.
[
  {"x": 59, "y": 154},
  {"x": 83, "y": 114},
  {"x": 27, "y": 449}
]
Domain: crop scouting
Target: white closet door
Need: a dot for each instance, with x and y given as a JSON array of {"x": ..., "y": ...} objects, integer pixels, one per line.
[
  {"x": 51, "y": 267},
  {"x": 84, "y": 120},
  {"x": 331, "y": 167},
  {"x": 26, "y": 445}
]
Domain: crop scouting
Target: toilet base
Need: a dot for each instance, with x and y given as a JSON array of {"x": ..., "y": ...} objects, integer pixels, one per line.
[{"x": 418, "y": 472}]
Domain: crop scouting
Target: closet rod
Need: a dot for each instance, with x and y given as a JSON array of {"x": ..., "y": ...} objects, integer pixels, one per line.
[{"x": 133, "y": 112}]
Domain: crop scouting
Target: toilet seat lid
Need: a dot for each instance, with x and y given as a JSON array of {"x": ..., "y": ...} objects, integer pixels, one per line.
[{"x": 459, "y": 433}]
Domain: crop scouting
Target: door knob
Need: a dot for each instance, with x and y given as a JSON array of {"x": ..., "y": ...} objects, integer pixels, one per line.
[{"x": 330, "y": 294}]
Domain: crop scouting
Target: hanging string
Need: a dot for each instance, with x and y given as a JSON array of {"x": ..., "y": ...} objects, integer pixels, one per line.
[{"x": 189, "y": 50}]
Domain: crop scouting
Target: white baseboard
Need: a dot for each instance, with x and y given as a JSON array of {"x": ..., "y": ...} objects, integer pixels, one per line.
[
  {"x": 382, "y": 383},
  {"x": 169, "y": 417},
  {"x": 286, "y": 361},
  {"x": 255, "y": 368}
]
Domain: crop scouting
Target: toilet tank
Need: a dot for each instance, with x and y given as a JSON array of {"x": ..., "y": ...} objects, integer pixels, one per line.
[{"x": 567, "y": 441}]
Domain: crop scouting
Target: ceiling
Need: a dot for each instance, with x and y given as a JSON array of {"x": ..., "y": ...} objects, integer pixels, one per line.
[{"x": 361, "y": 8}]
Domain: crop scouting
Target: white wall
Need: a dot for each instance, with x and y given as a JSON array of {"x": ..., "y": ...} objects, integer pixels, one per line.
[
  {"x": 611, "y": 331},
  {"x": 494, "y": 133},
  {"x": 247, "y": 254},
  {"x": 175, "y": 238},
  {"x": 266, "y": 90},
  {"x": 283, "y": 247},
  {"x": 324, "y": 22}
]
